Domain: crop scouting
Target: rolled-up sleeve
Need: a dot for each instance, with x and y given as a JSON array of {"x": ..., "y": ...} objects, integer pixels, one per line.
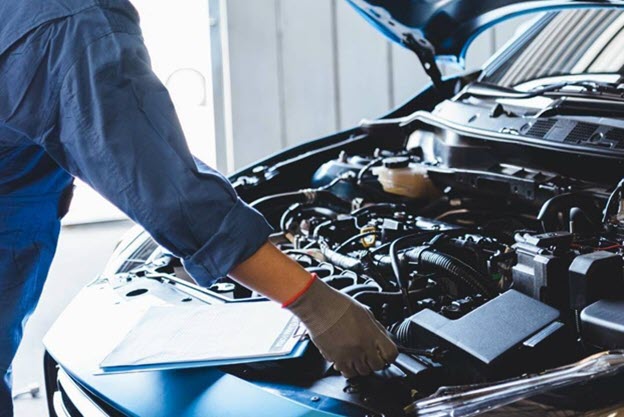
[{"x": 117, "y": 130}]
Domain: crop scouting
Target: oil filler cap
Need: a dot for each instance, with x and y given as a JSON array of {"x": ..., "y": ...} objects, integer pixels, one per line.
[{"x": 396, "y": 162}]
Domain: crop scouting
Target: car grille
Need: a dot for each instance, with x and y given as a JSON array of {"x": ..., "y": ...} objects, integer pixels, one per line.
[
  {"x": 541, "y": 128},
  {"x": 581, "y": 132}
]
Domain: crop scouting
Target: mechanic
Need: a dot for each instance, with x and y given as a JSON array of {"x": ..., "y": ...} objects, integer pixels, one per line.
[{"x": 78, "y": 98}]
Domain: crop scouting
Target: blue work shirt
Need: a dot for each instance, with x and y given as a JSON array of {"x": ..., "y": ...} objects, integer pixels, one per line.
[{"x": 78, "y": 98}]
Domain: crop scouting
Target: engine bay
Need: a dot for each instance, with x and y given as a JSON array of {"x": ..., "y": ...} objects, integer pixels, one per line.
[
  {"x": 485, "y": 261},
  {"x": 481, "y": 268}
]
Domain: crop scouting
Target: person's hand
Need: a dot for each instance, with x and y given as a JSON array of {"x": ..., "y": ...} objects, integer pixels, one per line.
[{"x": 345, "y": 332}]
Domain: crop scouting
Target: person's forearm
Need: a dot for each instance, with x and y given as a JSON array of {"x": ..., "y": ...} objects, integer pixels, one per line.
[{"x": 273, "y": 274}]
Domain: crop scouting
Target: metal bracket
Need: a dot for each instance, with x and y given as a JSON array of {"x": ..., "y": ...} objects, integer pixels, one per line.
[{"x": 425, "y": 52}]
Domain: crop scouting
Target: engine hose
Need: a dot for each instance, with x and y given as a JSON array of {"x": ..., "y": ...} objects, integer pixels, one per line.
[
  {"x": 456, "y": 269},
  {"x": 389, "y": 297},
  {"x": 310, "y": 196},
  {"x": 617, "y": 192},
  {"x": 360, "y": 288},
  {"x": 339, "y": 281},
  {"x": 322, "y": 272},
  {"x": 403, "y": 334},
  {"x": 562, "y": 203},
  {"x": 340, "y": 260}
]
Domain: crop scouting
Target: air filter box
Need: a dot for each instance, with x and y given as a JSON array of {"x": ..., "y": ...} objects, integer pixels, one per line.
[
  {"x": 495, "y": 338},
  {"x": 602, "y": 324}
]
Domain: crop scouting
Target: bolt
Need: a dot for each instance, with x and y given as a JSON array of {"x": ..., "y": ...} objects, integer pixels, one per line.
[
  {"x": 351, "y": 389},
  {"x": 315, "y": 399}
]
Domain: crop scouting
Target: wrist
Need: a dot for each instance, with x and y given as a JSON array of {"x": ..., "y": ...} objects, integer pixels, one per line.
[{"x": 301, "y": 292}]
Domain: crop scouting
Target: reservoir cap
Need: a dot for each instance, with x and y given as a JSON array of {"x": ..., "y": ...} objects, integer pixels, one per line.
[{"x": 396, "y": 162}]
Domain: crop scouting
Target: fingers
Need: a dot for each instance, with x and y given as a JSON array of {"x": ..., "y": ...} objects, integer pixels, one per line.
[
  {"x": 362, "y": 367},
  {"x": 356, "y": 343},
  {"x": 376, "y": 362},
  {"x": 382, "y": 328},
  {"x": 348, "y": 371},
  {"x": 388, "y": 350}
]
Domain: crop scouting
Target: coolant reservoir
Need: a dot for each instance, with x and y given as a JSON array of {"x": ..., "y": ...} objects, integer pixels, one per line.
[{"x": 399, "y": 176}]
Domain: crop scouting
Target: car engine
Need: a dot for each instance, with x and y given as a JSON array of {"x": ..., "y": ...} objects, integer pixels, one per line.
[
  {"x": 478, "y": 274},
  {"x": 483, "y": 260}
]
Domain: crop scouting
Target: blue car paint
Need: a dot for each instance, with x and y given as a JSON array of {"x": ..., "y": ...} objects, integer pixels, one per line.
[
  {"x": 452, "y": 25},
  {"x": 100, "y": 315}
]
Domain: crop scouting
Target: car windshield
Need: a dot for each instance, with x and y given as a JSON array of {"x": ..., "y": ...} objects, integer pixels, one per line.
[{"x": 577, "y": 42}]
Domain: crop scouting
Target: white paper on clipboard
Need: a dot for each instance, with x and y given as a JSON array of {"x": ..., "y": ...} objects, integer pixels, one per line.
[{"x": 178, "y": 335}]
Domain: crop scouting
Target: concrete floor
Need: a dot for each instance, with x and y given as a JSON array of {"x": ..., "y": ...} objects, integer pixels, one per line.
[{"x": 81, "y": 255}]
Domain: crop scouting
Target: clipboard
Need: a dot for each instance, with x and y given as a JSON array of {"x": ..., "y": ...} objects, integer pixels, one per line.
[
  {"x": 297, "y": 352},
  {"x": 168, "y": 338}
]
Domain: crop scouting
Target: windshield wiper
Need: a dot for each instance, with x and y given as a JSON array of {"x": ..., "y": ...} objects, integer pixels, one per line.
[
  {"x": 583, "y": 106},
  {"x": 475, "y": 399},
  {"x": 594, "y": 88}
]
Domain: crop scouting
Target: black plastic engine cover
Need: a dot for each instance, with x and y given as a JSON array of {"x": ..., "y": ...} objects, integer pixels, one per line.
[
  {"x": 594, "y": 276},
  {"x": 602, "y": 324},
  {"x": 507, "y": 329}
]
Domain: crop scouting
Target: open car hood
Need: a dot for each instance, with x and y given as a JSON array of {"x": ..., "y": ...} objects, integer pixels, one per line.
[{"x": 437, "y": 29}]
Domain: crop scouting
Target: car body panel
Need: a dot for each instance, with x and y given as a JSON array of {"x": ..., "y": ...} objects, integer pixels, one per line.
[
  {"x": 451, "y": 25},
  {"x": 100, "y": 319}
]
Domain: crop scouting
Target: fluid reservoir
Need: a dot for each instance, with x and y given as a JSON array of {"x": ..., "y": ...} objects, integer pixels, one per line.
[
  {"x": 398, "y": 175},
  {"x": 331, "y": 170}
]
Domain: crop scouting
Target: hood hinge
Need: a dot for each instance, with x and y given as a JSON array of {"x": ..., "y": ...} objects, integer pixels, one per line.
[{"x": 425, "y": 52}]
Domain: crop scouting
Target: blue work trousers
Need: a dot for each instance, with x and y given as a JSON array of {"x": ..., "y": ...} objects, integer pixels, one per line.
[{"x": 29, "y": 229}]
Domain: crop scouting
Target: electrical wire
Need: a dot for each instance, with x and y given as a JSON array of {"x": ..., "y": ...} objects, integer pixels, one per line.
[
  {"x": 360, "y": 175},
  {"x": 616, "y": 192},
  {"x": 354, "y": 239}
]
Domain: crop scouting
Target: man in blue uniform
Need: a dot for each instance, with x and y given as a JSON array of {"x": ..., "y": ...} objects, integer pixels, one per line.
[{"x": 78, "y": 98}]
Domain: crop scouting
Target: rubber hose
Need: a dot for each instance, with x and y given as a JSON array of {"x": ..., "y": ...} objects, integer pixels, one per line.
[
  {"x": 562, "y": 203},
  {"x": 302, "y": 197},
  {"x": 402, "y": 333},
  {"x": 340, "y": 260},
  {"x": 456, "y": 269},
  {"x": 338, "y": 281},
  {"x": 371, "y": 297},
  {"x": 360, "y": 288}
]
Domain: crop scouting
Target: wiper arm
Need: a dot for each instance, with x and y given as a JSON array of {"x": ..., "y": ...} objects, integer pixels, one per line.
[
  {"x": 583, "y": 106},
  {"x": 469, "y": 401},
  {"x": 487, "y": 90}
]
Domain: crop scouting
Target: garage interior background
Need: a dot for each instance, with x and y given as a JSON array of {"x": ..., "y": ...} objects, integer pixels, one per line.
[
  {"x": 251, "y": 78},
  {"x": 248, "y": 78}
]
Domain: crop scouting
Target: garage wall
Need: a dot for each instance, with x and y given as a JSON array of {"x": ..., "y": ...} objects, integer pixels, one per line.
[{"x": 292, "y": 70}]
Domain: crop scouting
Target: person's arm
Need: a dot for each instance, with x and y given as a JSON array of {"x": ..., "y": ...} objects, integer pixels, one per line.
[
  {"x": 345, "y": 332},
  {"x": 272, "y": 274},
  {"x": 117, "y": 130}
]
